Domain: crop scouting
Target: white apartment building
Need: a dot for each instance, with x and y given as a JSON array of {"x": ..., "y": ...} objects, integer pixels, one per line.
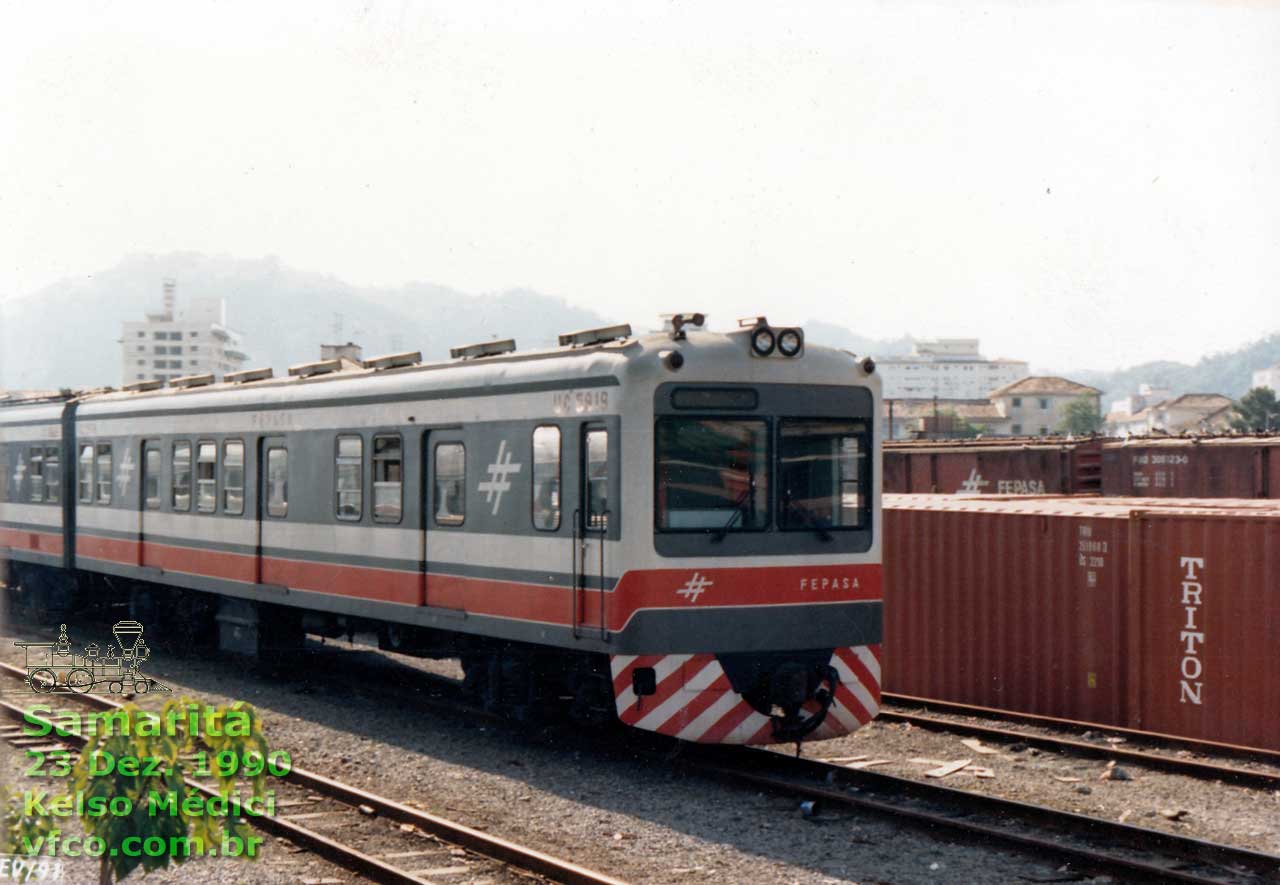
[
  {"x": 170, "y": 344},
  {"x": 1147, "y": 395},
  {"x": 1269, "y": 377},
  {"x": 948, "y": 368}
]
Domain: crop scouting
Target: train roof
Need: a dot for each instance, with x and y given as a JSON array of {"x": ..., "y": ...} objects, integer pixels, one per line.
[{"x": 571, "y": 365}]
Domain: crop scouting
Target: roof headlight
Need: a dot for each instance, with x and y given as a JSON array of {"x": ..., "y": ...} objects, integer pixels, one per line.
[
  {"x": 790, "y": 342},
  {"x": 762, "y": 341}
]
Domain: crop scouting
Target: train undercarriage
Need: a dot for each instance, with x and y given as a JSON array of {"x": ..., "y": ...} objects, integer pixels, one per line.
[{"x": 520, "y": 681}]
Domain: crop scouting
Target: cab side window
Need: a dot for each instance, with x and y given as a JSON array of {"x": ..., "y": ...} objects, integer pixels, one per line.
[
  {"x": 546, "y": 478},
  {"x": 597, "y": 480}
]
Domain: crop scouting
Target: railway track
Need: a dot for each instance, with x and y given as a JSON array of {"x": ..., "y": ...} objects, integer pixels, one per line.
[
  {"x": 431, "y": 848},
  {"x": 1083, "y": 843},
  {"x": 1086, "y": 844},
  {"x": 1266, "y": 776}
]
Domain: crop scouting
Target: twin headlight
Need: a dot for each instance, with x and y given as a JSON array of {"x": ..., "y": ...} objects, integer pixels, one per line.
[{"x": 788, "y": 342}]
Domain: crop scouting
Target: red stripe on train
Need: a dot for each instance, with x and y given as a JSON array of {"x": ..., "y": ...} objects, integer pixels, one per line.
[
  {"x": 37, "y": 541},
  {"x": 508, "y": 599}
]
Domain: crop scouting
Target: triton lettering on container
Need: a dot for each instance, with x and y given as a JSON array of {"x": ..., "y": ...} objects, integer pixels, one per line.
[
  {"x": 1218, "y": 467},
  {"x": 1205, "y": 625},
  {"x": 999, "y": 467},
  {"x": 1015, "y": 604}
]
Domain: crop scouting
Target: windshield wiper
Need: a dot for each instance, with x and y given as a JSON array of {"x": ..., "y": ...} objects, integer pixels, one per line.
[{"x": 718, "y": 535}]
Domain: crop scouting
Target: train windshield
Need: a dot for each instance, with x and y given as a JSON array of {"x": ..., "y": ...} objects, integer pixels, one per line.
[
  {"x": 822, "y": 474},
  {"x": 712, "y": 475}
]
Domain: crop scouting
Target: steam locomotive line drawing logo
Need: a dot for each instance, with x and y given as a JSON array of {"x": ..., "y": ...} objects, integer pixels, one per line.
[{"x": 54, "y": 667}]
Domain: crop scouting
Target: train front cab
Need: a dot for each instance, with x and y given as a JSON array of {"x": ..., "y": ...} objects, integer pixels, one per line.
[{"x": 759, "y": 620}]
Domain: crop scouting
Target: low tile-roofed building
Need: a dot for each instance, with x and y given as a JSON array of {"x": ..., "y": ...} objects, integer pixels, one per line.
[
  {"x": 1213, "y": 401},
  {"x": 1038, "y": 405},
  {"x": 1190, "y": 412},
  {"x": 1045, "y": 384}
]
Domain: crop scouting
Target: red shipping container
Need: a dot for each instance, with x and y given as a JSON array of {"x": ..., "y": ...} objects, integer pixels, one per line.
[
  {"x": 1017, "y": 604},
  {"x": 1162, "y": 615},
  {"x": 1221, "y": 467},
  {"x": 1206, "y": 626}
]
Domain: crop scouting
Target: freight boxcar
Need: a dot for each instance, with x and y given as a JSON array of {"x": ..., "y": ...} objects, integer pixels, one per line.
[
  {"x": 1034, "y": 466},
  {"x": 1215, "y": 467}
]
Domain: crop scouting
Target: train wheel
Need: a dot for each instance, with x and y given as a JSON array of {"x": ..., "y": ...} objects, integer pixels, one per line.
[
  {"x": 43, "y": 680},
  {"x": 80, "y": 680},
  {"x": 116, "y": 687},
  {"x": 141, "y": 686}
]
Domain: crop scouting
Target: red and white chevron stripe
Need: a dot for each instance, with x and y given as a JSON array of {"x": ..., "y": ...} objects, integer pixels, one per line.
[{"x": 694, "y": 701}]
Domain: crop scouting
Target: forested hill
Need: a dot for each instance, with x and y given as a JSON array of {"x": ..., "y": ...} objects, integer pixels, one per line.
[
  {"x": 67, "y": 335},
  {"x": 1230, "y": 373}
]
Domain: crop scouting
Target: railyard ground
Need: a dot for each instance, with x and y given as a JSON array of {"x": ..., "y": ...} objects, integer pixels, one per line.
[{"x": 626, "y": 816}]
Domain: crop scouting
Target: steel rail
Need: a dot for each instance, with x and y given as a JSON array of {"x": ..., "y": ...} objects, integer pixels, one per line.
[
  {"x": 1271, "y": 757},
  {"x": 816, "y": 779},
  {"x": 1193, "y": 767},
  {"x": 493, "y": 847}
]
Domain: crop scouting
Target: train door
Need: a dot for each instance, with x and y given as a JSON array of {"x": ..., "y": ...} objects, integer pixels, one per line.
[
  {"x": 149, "y": 501},
  {"x": 591, "y": 527},
  {"x": 272, "y": 507},
  {"x": 444, "y": 511}
]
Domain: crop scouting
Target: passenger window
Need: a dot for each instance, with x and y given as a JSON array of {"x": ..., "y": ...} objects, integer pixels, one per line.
[
  {"x": 104, "y": 473},
  {"x": 546, "y": 478},
  {"x": 349, "y": 478},
  {"x": 277, "y": 482},
  {"x": 35, "y": 469},
  {"x": 52, "y": 475},
  {"x": 233, "y": 477},
  {"x": 388, "y": 479},
  {"x": 207, "y": 477},
  {"x": 597, "y": 480},
  {"x": 151, "y": 479},
  {"x": 86, "y": 474},
  {"x": 181, "y": 497},
  {"x": 451, "y": 484}
]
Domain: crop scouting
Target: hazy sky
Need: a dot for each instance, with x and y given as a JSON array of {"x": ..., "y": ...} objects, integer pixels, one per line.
[{"x": 1079, "y": 184}]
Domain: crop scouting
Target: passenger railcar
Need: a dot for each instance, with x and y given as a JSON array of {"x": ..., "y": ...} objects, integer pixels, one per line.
[{"x": 681, "y": 529}]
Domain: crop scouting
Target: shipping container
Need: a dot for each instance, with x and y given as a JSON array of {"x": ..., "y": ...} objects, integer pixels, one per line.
[
  {"x": 1211, "y": 467},
  {"x": 1016, "y": 605},
  {"x": 1205, "y": 660},
  {"x": 995, "y": 466},
  {"x": 1155, "y": 614}
]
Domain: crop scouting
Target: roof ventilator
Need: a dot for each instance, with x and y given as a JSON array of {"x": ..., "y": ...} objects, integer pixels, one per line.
[
  {"x": 140, "y": 386},
  {"x": 393, "y": 360},
  {"x": 244, "y": 376},
  {"x": 193, "y": 380},
  {"x": 322, "y": 367},
  {"x": 483, "y": 349},
  {"x": 585, "y": 337}
]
